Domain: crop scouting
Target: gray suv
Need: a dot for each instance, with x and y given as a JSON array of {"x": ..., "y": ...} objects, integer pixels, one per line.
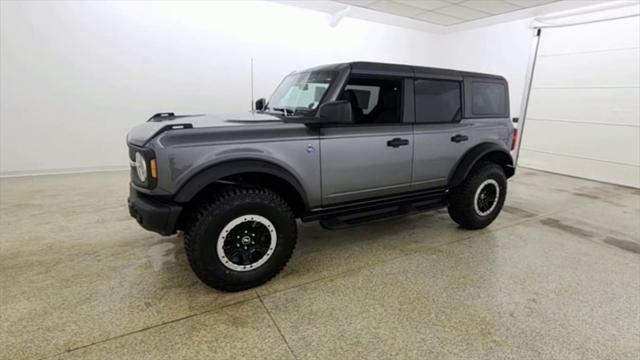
[{"x": 345, "y": 144}]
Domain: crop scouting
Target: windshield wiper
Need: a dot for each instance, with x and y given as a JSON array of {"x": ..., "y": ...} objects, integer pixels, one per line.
[{"x": 284, "y": 111}]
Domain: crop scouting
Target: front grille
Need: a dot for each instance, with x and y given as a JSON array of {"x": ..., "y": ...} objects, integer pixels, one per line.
[{"x": 132, "y": 152}]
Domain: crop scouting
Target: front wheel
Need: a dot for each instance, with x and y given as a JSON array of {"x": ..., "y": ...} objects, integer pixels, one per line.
[
  {"x": 241, "y": 239},
  {"x": 476, "y": 202}
]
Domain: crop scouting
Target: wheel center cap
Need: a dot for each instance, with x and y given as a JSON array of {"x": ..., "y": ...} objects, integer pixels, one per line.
[{"x": 245, "y": 240}]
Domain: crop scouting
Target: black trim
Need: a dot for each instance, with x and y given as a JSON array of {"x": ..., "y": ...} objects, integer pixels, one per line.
[
  {"x": 353, "y": 207},
  {"x": 167, "y": 128},
  {"x": 459, "y": 138},
  {"x": 161, "y": 116},
  {"x": 397, "y": 142},
  {"x": 401, "y": 70},
  {"x": 409, "y": 105},
  {"x": 471, "y": 157},
  {"x": 380, "y": 69},
  {"x": 374, "y": 215},
  {"x": 152, "y": 214},
  {"x": 234, "y": 167}
]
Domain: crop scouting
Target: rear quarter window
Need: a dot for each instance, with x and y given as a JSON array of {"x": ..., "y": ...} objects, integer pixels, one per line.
[{"x": 488, "y": 98}]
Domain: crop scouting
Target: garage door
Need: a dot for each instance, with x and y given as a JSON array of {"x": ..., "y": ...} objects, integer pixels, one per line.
[{"x": 583, "y": 117}]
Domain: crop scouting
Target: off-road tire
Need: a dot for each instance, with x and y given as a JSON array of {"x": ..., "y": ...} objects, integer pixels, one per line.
[
  {"x": 462, "y": 198},
  {"x": 202, "y": 232}
]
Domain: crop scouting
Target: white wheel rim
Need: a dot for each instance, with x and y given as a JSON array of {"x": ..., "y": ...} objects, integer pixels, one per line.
[
  {"x": 235, "y": 222},
  {"x": 476, "y": 198}
]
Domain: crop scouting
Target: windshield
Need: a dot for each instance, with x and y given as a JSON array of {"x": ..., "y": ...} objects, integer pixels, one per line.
[{"x": 300, "y": 92}]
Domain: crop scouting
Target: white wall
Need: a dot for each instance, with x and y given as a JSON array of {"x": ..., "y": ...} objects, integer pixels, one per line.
[
  {"x": 501, "y": 49},
  {"x": 75, "y": 76}
]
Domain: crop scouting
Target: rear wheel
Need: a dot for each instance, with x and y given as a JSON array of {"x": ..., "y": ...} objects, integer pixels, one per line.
[
  {"x": 241, "y": 239},
  {"x": 476, "y": 202}
]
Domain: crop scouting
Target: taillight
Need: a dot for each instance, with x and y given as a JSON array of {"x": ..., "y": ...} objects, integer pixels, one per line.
[{"x": 515, "y": 139}]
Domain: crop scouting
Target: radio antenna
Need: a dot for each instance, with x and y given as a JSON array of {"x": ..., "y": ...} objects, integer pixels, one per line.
[{"x": 253, "y": 110}]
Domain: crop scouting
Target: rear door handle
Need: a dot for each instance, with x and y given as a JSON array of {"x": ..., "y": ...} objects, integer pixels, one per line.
[
  {"x": 459, "y": 138},
  {"x": 397, "y": 142}
]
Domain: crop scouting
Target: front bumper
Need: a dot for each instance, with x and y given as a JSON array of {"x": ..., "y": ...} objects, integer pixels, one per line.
[{"x": 152, "y": 214}]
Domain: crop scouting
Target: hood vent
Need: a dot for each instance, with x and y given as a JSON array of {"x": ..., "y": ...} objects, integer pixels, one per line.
[{"x": 168, "y": 116}]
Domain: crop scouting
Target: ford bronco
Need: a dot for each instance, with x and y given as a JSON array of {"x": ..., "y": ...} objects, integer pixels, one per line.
[{"x": 345, "y": 144}]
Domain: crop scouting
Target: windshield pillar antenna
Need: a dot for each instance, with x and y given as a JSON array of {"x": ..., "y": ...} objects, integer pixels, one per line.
[{"x": 253, "y": 110}]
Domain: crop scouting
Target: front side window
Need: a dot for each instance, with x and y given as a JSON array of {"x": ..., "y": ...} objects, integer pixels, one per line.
[
  {"x": 373, "y": 100},
  {"x": 488, "y": 98},
  {"x": 300, "y": 93},
  {"x": 367, "y": 96},
  {"x": 437, "y": 101}
]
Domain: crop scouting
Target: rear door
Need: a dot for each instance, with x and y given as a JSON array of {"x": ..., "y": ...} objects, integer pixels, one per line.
[
  {"x": 452, "y": 116},
  {"x": 440, "y": 137},
  {"x": 372, "y": 157}
]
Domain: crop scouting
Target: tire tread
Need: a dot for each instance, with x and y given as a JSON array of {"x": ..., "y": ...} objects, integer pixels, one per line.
[
  {"x": 221, "y": 202},
  {"x": 461, "y": 197}
]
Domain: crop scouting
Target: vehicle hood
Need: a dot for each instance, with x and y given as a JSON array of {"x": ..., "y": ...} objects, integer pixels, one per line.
[{"x": 142, "y": 133}]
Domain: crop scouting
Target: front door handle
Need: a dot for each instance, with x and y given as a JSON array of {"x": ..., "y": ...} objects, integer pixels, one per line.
[
  {"x": 459, "y": 138},
  {"x": 397, "y": 142}
]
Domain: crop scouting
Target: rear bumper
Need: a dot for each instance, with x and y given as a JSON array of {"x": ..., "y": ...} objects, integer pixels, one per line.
[{"x": 152, "y": 214}]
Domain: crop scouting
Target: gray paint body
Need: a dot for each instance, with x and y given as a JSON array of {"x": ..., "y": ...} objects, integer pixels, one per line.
[{"x": 332, "y": 163}]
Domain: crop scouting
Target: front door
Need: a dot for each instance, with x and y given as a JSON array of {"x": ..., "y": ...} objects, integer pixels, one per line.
[{"x": 373, "y": 156}]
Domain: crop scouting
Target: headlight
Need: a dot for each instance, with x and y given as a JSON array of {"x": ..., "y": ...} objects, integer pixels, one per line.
[
  {"x": 144, "y": 168},
  {"x": 141, "y": 167}
]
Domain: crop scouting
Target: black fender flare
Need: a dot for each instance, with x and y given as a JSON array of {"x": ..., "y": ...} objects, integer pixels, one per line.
[
  {"x": 221, "y": 170},
  {"x": 494, "y": 151}
]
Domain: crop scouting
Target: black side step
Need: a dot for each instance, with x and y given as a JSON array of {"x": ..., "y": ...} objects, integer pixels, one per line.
[
  {"x": 415, "y": 199},
  {"x": 380, "y": 214}
]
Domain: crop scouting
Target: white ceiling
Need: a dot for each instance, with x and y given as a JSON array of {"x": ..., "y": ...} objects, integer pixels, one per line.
[{"x": 446, "y": 12}]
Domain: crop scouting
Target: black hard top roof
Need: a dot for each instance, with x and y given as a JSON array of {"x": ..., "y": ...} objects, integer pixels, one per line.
[{"x": 400, "y": 70}]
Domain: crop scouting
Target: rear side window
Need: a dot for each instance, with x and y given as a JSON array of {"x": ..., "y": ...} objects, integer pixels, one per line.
[
  {"x": 437, "y": 101},
  {"x": 488, "y": 98}
]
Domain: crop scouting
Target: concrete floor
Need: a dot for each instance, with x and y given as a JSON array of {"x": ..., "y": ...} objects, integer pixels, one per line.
[{"x": 557, "y": 276}]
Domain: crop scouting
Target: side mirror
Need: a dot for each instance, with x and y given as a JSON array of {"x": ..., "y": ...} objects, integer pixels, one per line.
[
  {"x": 336, "y": 112},
  {"x": 260, "y": 103}
]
